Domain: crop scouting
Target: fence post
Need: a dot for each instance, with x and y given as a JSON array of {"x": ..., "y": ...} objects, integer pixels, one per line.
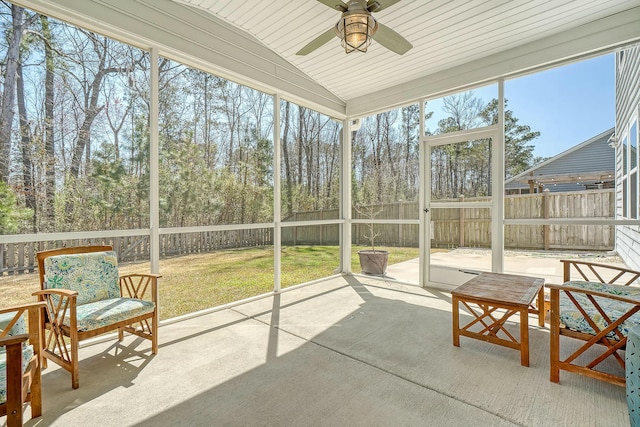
[
  {"x": 461, "y": 232},
  {"x": 400, "y": 228},
  {"x": 321, "y": 227},
  {"x": 546, "y": 208}
]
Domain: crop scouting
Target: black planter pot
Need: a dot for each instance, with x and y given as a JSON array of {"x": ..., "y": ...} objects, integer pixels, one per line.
[{"x": 373, "y": 262}]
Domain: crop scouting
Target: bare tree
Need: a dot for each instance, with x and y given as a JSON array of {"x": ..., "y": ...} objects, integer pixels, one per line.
[{"x": 9, "y": 93}]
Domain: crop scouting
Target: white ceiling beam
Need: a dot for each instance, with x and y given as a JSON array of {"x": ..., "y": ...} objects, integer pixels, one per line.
[{"x": 583, "y": 41}]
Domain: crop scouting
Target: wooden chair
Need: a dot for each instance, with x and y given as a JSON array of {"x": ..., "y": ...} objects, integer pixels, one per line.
[
  {"x": 86, "y": 297},
  {"x": 598, "y": 309},
  {"x": 20, "y": 361}
]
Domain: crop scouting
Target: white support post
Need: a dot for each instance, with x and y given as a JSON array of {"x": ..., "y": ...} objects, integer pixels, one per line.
[
  {"x": 345, "y": 197},
  {"x": 424, "y": 194},
  {"x": 277, "y": 202},
  {"x": 497, "y": 189},
  {"x": 154, "y": 164}
]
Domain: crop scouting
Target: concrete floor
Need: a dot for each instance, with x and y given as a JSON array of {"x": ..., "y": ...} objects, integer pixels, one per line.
[{"x": 342, "y": 352}]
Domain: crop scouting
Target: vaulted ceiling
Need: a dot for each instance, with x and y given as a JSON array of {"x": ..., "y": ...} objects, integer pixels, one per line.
[{"x": 456, "y": 43}]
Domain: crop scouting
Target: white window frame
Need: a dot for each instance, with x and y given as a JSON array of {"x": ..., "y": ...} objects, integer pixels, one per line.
[{"x": 629, "y": 172}]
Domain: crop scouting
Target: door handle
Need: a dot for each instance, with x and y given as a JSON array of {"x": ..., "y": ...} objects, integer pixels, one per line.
[{"x": 426, "y": 210}]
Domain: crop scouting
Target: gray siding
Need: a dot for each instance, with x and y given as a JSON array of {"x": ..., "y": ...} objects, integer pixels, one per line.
[
  {"x": 593, "y": 155},
  {"x": 627, "y": 104}
]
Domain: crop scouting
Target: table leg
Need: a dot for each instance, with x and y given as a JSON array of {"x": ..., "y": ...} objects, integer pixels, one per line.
[
  {"x": 456, "y": 321},
  {"x": 524, "y": 337},
  {"x": 541, "y": 308}
]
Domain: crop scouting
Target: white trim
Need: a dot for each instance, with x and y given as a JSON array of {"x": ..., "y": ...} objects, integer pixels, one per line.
[
  {"x": 424, "y": 198},
  {"x": 306, "y": 223},
  {"x": 462, "y": 135},
  {"x": 72, "y": 235},
  {"x": 635, "y": 170},
  {"x": 497, "y": 188},
  {"x": 226, "y": 227},
  {"x": 154, "y": 162},
  {"x": 497, "y": 170},
  {"x": 277, "y": 201},
  {"x": 345, "y": 197},
  {"x": 385, "y": 221}
]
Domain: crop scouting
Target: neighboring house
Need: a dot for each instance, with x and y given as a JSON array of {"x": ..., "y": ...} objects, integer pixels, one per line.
[
  {"x": 627, "y": 117},
  {"x": 588, "y": 165}
]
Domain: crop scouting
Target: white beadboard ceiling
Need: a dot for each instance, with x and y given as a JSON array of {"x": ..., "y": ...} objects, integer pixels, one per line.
[{"x": 444, "y": 34}]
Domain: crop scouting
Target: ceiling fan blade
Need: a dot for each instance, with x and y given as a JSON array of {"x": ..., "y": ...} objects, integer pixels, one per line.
[
  {"x": 391, "y": 40},
  {"x": 317, "y": 42},
  {"x": 378, "y": 5},
  {"x": 335, "y": 4}
]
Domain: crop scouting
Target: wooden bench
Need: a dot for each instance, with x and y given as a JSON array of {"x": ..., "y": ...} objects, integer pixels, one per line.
[
  {"x": 599, "y": 309},
  {"x": 86, "y": 297}
]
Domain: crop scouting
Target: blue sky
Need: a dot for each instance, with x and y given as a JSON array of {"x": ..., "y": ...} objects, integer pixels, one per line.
[{"x": 567, "y": 104}]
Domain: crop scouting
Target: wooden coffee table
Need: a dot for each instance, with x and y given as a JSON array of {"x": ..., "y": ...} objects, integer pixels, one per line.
[{"x": 488, "y": 292}]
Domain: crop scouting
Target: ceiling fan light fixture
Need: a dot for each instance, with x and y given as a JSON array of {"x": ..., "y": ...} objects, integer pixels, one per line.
[{"x": 355, "y": 30}]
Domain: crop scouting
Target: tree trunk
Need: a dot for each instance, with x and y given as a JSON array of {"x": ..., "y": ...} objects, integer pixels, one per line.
[
  {"x": 9, "y": 94},
  {"x": 49, "y": 147},
  {"x": 25, "y": 144},
  {"x": 300, "y": 126},
  {"x": 287, "y": 165}
]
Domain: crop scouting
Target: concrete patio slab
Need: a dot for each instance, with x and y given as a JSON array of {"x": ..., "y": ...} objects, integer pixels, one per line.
[{"x": 345, "y": 351}]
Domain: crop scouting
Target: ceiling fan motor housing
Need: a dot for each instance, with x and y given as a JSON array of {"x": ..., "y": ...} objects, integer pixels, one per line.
[{"x": 355, "y": 28}]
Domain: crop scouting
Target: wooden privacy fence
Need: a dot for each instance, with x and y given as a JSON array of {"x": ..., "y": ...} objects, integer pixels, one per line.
[
  {"x": 471, "y": 227},
  {"x": 16, "y": 258},
  {"x": 453, "y": 227},
  {"x": 450, "y": 228}
]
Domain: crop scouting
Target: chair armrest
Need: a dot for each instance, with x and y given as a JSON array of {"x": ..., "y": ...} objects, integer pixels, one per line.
[
  {"x": 136, "y": 285},
  {"x": 13, "y": 339},
  {"x": 64, "y": 293},
  {"x": 599, "y": 323},
  {"x": 35, "y": 312},
  {"x": 56, "y": 310},
  {"x": 593, "y": 272},
  {"x": 592, "y": 293},
  {"x": 22, "y": 307},
  {"x": 157, "y": 276}
]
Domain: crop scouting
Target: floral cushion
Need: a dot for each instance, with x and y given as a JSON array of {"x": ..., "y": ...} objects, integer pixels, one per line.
[
  {"x": 27, "y": 350},
  {"x": 106, "y": 312},
  {"x": 573, "y": 319},
  {"x": 93, "y": 275}
]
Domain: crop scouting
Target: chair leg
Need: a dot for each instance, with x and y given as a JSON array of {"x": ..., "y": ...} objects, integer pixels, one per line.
[
  {"x": 154, "y": 333},
  {"x": 75, "y": 371},
  {"x": 14, "y": 385},
  {"x": 554, "y": 345},
  {"x": 36, "y": 393}
]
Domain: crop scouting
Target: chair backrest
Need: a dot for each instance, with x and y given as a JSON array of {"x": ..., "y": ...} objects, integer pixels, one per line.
[{"x": 93, "y": 273}]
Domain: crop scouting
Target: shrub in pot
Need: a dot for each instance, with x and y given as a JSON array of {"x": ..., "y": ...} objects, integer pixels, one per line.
[{"x": 372, "y": 261}]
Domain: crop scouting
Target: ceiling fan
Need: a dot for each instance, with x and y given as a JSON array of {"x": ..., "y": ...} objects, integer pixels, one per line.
[{"x": 357, "y": 27}]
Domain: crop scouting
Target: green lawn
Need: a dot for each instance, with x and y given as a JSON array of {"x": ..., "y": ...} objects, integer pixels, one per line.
[{"x": 194, "y": 282}]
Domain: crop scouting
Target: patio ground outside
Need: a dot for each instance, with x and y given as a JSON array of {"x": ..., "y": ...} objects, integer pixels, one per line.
[
  {"x": 450, "y": 269},
  {"x": 349, "y": 350}
]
